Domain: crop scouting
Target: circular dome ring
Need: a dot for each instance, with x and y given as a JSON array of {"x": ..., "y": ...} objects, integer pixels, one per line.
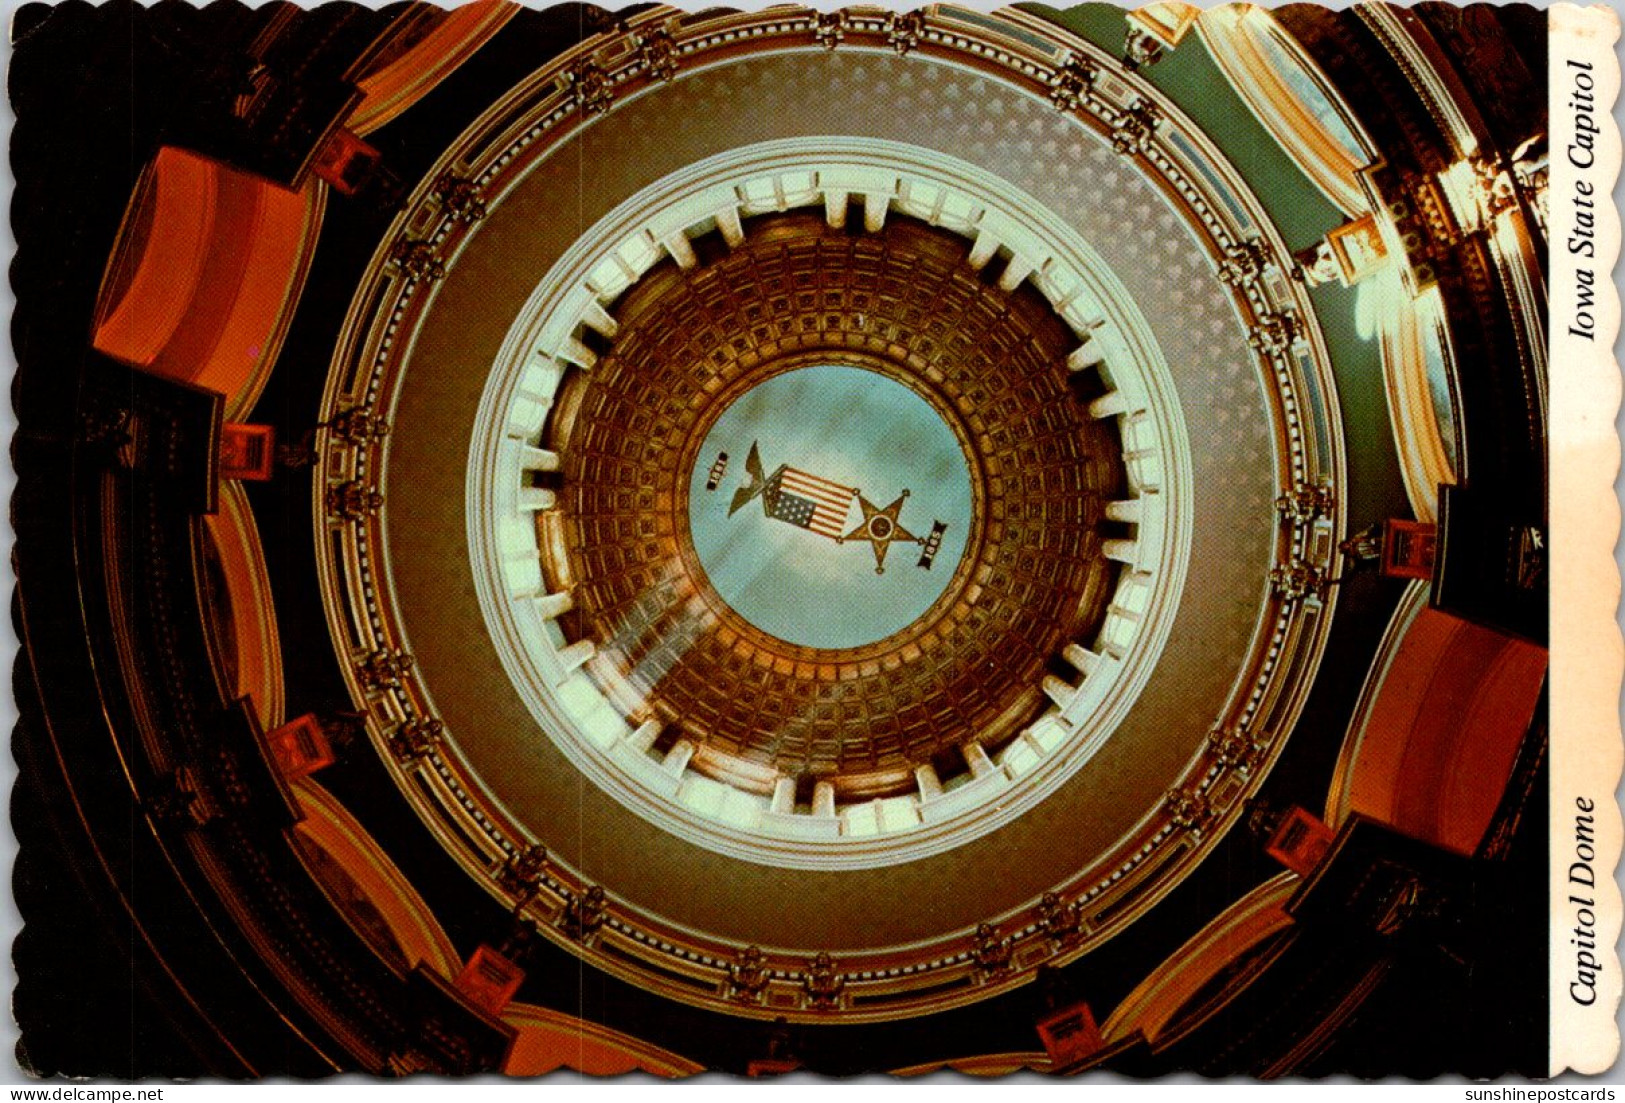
[
  {"x": 918, "y": 950},
  {"x": 1086, "y": 297}
]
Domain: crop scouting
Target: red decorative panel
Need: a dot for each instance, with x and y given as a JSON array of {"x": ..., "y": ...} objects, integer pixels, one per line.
[
  {"x": 300, "y": 747},
  {"x": 1300, "y": 841},
  {"x": 490, "y": 980},
  {"x": 1070, "y": 1035},
  {"x": 1408, "y": 549},
  {"x": 247, "y": 451},
  {"x": 208, "y": 267},
  {"x": 345, "y": 162}
]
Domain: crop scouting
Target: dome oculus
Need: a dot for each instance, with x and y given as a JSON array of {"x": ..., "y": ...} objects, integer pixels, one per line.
[{"x": 835, "y": 508}]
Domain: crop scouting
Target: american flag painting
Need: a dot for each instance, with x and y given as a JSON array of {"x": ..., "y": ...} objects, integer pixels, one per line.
[{"x": 808, "y": 501}]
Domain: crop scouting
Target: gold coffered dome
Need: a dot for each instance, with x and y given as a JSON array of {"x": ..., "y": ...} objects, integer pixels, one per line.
[{"x": 865, "y": 339}]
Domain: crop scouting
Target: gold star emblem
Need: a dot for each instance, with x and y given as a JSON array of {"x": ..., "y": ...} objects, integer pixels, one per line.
[{"x": 880, "y": 527}]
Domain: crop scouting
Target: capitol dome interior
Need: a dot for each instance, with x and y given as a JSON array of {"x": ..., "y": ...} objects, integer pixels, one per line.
[{"x": 836, "y": 541}]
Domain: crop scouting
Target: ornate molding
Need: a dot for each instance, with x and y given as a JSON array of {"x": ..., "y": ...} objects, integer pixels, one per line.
[
  {"x": 460, "y": 197},
  {"x": 1134, "y": 126},
  {"x": 1071, "y": 83},
  {"x": 1273, "y": 334},
  {"x": 829, "y": 28},
  {"x": 991, "y": 953},
  {"x": 353, "y": 500},
  {"x": 822, "y": 982},
  {"x": 1245, "y": 262},
  {"x": 589, "y": 87},
  {"x": 1307, "y": 502},
  {"x": 585, "y": 913},
  {"x": 357, "y": 426},
  {"x": 1236, "y": 748},
  {"x": 416, "y": 260},
  {"x": 1298, "y": 580},
  {"x": 1188, "y": 807},
  {"x": 521, "y": 875},
  {"x": 1060, "y": 921},
  {"x": 413, "y": 739},
  {"x": 903, "y": 31},
  {"x": 748, "y": 975},
  {"x": 384, "y": 669},
  {"x": 657, "y": 53}
]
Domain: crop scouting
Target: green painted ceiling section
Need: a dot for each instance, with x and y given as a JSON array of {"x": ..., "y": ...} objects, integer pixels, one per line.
[
  {"x": 1189, "y": 77},
  {"x": 1192, "y": 80},
  {"x": 1375, "y": 487}
]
